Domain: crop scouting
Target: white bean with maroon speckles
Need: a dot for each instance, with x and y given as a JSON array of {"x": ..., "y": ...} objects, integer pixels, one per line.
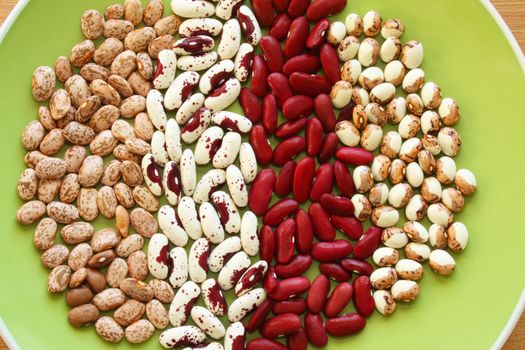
[
  {"x": 194, "y": 128},
  {"x": 243, "y": 62},
  {"x": 237, "y": 185},
  {"x": 198, "y": 260},
  {"x": 234, "y": 333},
  {"x": 208, "y": 322},
  {"x": 250, "y": 26},
  {"x": 158, "y": 148},
  {"x": 249, "y": 238},
  {"x": 215, "y": 76},
  {"x": 188, "y": 216},
  {"x": 232, "y": 121},
  {"x": 226, "y": 8},
  {"x": 188, "y": 172},
  {"x": 183, "y": 335},
  {"x": 158, "y": 257},
  {"x": 228, "y": 151},
  {"x": 193, "y": 26},
  {"x": 248, "y": 162},
  {"x": 209, "y": 182},
  {"x": 233, "y": 270},
  {"x": 192, "y": 8},
  {"x": 152, "y": 174},
  {"x": 180, "y": 89},
  {"x": 197, "y": 62},
  {"x": 227, "y": 210},
  {"x": 189, "y": 107},
  {"x": 223, "y": 96},
  {"x": 193, "y": 45},
  {"x": 230, "y": 39},
  {"x": 168, "y": 224},
  {"x": 222, "y": 251},
  {"x": 166, "y": 69},
  {"x": 173, "y": 144},
  {"x": 245, "y": 304},
  {"x": 171, "y": 181},
  {"x": 182, "y": 303},
  {"x": 155, "y": 109},
  {"x": 179, "y": 273},
  {"x": 207, "y": 145},
  {"x": 211, "y": 223}
]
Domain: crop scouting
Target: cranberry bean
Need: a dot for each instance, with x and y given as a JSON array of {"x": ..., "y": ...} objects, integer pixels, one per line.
[
  {"x": 298, "y": 8},
  {"x": 323, "y": 183},
  {"x": 272, "y": 53},
  {"x": 283, "y": 184},
  {"x": 295, "y": 306},
  {"x": 264, "y": 344},
  {"x": 337, "y": 205},
  {"x": 290, "y": 287},
  {"x": 280, "y": 325},
  {"x": 261, "y": 146},
  {"x": 305, "y": 63},
  {"x": 323, "y": 229},
  {"x": 288, "y": 149},
  {"x": 328, "y": 147},
  {"x": 310, "y": 84},
  {"x": 354, "y": 155},
  {"x": 267, "y": 242},
  {"x": 280, "y": 88},
  {"x": 281, "y": 5},
  {"x": 251, "y": 105},
  {"x": 330, "y": 63},
  {"x": 331, "y": 251},
  {"x": 263, "y": 11},
  {"x": 316, "y": 38},
  {"x": 340, "y": 297},
  {"x": 335, "y": 272},
  {"x": 290, "y": 128},
  {"x": 315, "y": 329},
  {"x": 269, "y": 117},
  {"x": 318, "y": 294},
  {"x": 260, "y": 74},
  {"x": 296, "y": 267},
  {"x": 345, "y": 325},
  {"x": 350, "y": 226},
  {"x": 363, "y": 300},
  {"x": 344, "y": 179},
  {"x": 359, "y": 266},
  {"x": 304, "y": 234},
  {"x": 270, "y": 282},
  {"x": 368, "y": 243},
  {"x": 313, "y": 135},
  {"x": 297, "y": 35},
  {"x": 325, "y": 112},
  {"x": 323, "y": 8},
  {"x": 259, "y": 316},
  {"x": 279, "y": 211},
  {"x": 261, "y": 191},
  {"x": 297, "y": 341},
  {"x": 284, "y": 246},
  {"x": 280, "y": 26},
  {"x": 347, "y": 112},
  {"x": 297, "y": 107},
  {"x": 302, "y": 179}
]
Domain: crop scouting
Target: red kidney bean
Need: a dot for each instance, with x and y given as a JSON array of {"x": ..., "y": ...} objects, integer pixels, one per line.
[
  {"x": 259, "y": 315},
  {"x": 318, "y": 294},
  {"x": 272, "y": 53},
  {"x": 328, "y": 147},
  {"x": 283, "y": 185},
  {"x": 260, "y": 74},
  {"x": 363, "y": 300},
  {"x": 288, "y": 149},
  {"x": 331, "y": 251},
  {"x": 350, "y": 226},
  {"x": 337, "y": 205},
  {"x": 314, "y": 136},
  {"x": 298, "y": 8},
  {"x": 347, "y": 112},
  {"x": 291, "y": 128},
  {"x": 343, "y": 179},
  {"x": 361, "y": 267},
  {"x": 323, "y": 8},
  {"x": 310, "y": 84},
  {"x": 260, "y": 144},
  {"x": 280, "y": 26},
  {"x": 296, "y": 40},
  {"x": 296, "y": 267},
  {"x": 368, "y": 243},
  {"x": 330, "y": 63},
  {"x": 251, "y": 105},
  {"x": 284, "y": 246},
  {"x": 304, "y": 232},
  {"x": 297, "y": 107},
  {"x": 297, "y": 341},
  {"x": 267, "y": 242},
  {"x": 305, "y": 63},
  {"x": 335, "y": 272},
  {"x": 270, "y": 281},
  {"x": 263, "y": 11},
  {"x": 323, "y": 183},
  {"x": 345, "y": 325},
  {"x": 323, "y": 229},
  {"x": 290, "y": 287},
  {"x": 325, "y": 111},
  {"x": 315, "y": 329},
  {"x": 295, "y": 306},
  {"x": 279, "y": 211},
  {"x": 280, "y": 325},
  {"x": 280, "y": 88},
  {"x": 269, "y": 113},
  {"x": 261, "y": 191},
  {"x": 302, "y": 179},
  {"x": 281, "y": 5},
  {"x": 265, "y": 344},
  {"x": 354, "y": 155},
  {"x": 316, "y": 38},
  {"x": 341, "y": 295}
]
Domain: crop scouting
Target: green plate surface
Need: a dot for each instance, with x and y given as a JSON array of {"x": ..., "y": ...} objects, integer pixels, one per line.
[{"x": 465, "y": 53}]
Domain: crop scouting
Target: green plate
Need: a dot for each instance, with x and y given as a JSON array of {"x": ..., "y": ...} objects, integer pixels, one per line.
[{"x": 466, "y": 53}]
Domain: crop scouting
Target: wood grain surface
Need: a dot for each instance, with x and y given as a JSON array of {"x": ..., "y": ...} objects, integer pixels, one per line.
[{"x": 513, "y": 12}]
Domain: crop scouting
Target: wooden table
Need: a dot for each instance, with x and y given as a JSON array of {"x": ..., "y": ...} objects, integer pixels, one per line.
[{"x": 513, "y": 11}]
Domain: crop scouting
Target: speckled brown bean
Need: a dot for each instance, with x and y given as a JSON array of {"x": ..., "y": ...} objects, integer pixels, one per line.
[
  {"x": 138, "y": 265},
  {"x": 87, "y": 204},
  {"x": 129, "y": 245},
  {"x": 74, "y": 157},
  {"x": 121, "y": 85},
  {"x": 162, "y": 290},
  {"x": 107, "y": 51},
  {"x": 115, "y": 11},
  {"x": 92, "y": 24},
  {"x": 62, "y": 213},
  {"x": 48, "y": 189},
  {"x": 32, "y": 135},
  {"x": 167, "y": 25},
  {"x": 77, "y": 232},
  {"x": 131, "y": 173},
  {"x": 27, "y": 184},
  {"x": 136, "y": 289},
  {"x": 153, "y": 12},
  {"x": 121, "y": 129},
  {"x": 79, "y": 257},
  {"x": 54, "y": 256},
  {"x": 78, "y": 278},
  {"x": 109, "y": 299},
  {"x": 44, "y": 115},
  {"x": 160, "y": 43},
  {"x": 82, "y": 53},
  {"x": 117, "y": 271},
  {"x": 157, "y": 314},
  {"x": 107, "y": 201},
  {"x": 124, "y": 64},
  {"x": 33, "y": 158},
  {"x": 104, "y": 239},
  {"x": 133, "y": 11},
  {"x": 43, "y": 84},
  {"x": 78, "y": 134},
  {"x": 137, "y": 146},
  {"x": 78, "y": 90},
  {"x": 45, "y": 233},
  {"x": 103, "y": 144},
  {"x": 109, "y": 330},
  {"x": 139, "y": 331},
  {"x": 143, "y": 222},
  {"x": 111, "y": 173},
  {"x": 59, "y": 104},
  {"x": 58, "y": 279},
  {"x": 140, "y": 85},
  {"x": 122, "y": 153},
  {"x": 104, "y": 118},
  {"x": 96, "y": 280},
  {"x": 132, "y": 106},
  {"x": 102, "y": 259},
  {"x": 50, "y": 168},
  {"x": 117, "y": 28},
  {"x": 91, "y": 170},
  {"x": 106, "y": 92},
  {"x": 143, "y": 127},
  {"x": 79, "y": 296},
  {"x": 69, "y": 189},
  {"x": 68, "y": 118},
  {"x": 83, "y": 315},
  {"x": 124, "y": 195},
  {"x": 145, "y": 199},
  {"x": 139, "y": 39},
  {"x": 122, "y": 221},
  {"x": 145, "y": 65},
  {"x": 31, "y": 212},
  {"x": 129, "y": 312},
  {"x": 92, "y": 71}
]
